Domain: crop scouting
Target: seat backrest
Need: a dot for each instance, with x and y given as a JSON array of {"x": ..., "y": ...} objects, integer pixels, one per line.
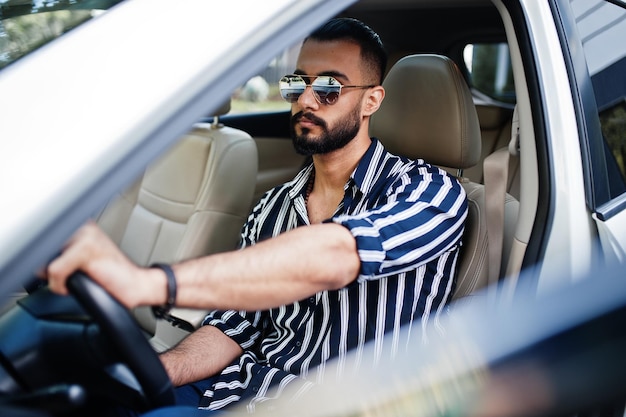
[
  {"x": 429, "y": 113},
  {"x": 495, "y": 132},
  {"x": 191, "y": 202}
]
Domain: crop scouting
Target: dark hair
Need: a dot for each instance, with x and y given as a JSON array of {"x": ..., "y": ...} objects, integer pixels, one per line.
[{"x": 344, "y": 28}]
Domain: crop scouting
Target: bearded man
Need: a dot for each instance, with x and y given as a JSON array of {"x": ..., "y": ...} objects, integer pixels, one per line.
[{"x": 360, "y": 243}]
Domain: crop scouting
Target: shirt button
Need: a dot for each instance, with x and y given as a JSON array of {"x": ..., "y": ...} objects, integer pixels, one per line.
[
  {"x": 298, "y": 343},
  {"x": 255, "y": 389},
  {"x": 312, "y": 300}
]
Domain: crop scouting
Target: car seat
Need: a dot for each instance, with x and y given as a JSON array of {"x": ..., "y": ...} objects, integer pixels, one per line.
[
  {"x": 192, "y": 202},
  {"x": 428, "y": 113}
]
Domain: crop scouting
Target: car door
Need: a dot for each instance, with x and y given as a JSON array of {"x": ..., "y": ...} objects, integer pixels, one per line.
[{"x": 592, "y": 36}]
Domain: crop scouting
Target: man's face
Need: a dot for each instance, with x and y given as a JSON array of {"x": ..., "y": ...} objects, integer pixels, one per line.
[{"x": 320, "y": 128}]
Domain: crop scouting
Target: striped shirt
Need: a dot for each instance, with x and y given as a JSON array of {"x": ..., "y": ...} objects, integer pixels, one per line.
[{"x": 407, "y": 218}]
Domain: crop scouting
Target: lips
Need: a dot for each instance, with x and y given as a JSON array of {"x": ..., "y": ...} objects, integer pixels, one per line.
[{"x": 308, "y": 120}]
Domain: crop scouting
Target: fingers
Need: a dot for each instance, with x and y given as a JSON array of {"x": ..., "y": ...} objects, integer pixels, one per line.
[
  {"x": 84, "y": 249},
  {"x": 91, "y": 251}
]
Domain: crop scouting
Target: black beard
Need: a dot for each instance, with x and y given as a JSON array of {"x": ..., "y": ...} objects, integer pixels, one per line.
[{"x": 329, "y": 140}]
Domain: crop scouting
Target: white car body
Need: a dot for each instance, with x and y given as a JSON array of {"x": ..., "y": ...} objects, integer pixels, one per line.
[
  {"x": 154, "y": 99},
  {"x": 83, "y": 116}
]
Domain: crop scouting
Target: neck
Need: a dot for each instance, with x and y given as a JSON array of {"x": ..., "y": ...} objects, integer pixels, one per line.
[{"x": 332, "y": 170}]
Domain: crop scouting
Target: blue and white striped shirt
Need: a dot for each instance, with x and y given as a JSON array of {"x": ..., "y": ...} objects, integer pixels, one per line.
[{"x": 407, "y": 218}]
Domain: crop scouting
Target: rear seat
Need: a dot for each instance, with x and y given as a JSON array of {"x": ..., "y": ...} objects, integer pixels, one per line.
[
  {"x": 505, "y": 160},
  {"x": 495, "y": 131}
]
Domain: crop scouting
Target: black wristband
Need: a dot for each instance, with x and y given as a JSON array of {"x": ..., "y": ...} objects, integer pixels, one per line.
[{"x": 171, "y": 290}]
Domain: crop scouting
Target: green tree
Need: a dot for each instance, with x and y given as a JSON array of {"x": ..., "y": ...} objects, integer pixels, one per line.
[{"x": 23, "y": 34}]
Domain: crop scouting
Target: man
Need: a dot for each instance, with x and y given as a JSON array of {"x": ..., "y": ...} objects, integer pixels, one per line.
[{"x": 378, "y": 251}]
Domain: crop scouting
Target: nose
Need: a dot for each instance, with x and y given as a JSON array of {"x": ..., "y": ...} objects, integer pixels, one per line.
[{"x": 307, "y": 99}]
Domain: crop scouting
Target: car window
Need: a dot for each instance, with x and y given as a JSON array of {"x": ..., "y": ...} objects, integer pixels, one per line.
[
  {"x": 26, "y": 26},
  {"x": 22, "y": 34},
  {"x": 489, "y": 69},
  {"x": 602, "y": 29},
  {"x": 260, "y": 93}
]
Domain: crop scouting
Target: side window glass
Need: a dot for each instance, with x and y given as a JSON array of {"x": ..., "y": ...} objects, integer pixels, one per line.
[
  {"x": 21, "y": 35},
  {"x": 260, "y": 93},
  {"x": 489, "y": 69},
  {"x": 613, "y": 122},
  {"x": 602, "y": 29},
  {"x": 26, "y": 25}
]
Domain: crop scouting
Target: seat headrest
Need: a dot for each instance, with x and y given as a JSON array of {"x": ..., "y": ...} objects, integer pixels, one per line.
[
  {"x": 428, "y": 113},
  {"x": 223, "y": 109}
]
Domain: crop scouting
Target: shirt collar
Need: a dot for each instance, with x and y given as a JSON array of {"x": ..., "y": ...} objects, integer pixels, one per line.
[
  {"x": 364, "y": 175},
  {"x": 299, "y": 183}
]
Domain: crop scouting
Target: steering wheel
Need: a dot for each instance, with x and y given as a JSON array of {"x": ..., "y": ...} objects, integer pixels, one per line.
[{"x": 120, "y": 327}]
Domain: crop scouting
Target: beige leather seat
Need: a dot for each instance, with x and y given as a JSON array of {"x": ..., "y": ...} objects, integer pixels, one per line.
[
  {"x": 495, "y": 131},
  {"x": 428, "y": 113},
  {"x": 502, "y": 185},
  {"x": 191, "y": 202}
]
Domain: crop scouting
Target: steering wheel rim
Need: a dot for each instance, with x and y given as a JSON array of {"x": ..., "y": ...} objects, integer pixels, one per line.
[{"x": 115, "y": 320}]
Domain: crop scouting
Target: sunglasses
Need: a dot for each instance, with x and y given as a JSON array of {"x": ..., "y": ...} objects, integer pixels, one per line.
[{"x": 326, "y": 89}]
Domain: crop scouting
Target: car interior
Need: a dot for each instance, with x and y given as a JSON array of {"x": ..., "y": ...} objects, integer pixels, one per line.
[
  {"x": 431, "y": 111},
  {"x": 428, "y": 113},
  {"x": 194, "y": 200}
]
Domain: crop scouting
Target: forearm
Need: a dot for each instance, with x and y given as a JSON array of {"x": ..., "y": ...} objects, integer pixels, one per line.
[
  {"x": 277, "y": 271},
  {"x": 204, "y": 353}
]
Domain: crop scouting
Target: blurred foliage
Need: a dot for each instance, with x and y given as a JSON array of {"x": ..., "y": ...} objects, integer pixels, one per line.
[
  {"x": 246, "y": 106},
  {"x": 274, "y": 102},
  {"x": 24, "y": 34},
  {"x": 613, "y": 123}
]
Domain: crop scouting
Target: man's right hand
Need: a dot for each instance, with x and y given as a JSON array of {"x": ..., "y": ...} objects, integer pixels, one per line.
[{"x": 91, "y": 251}]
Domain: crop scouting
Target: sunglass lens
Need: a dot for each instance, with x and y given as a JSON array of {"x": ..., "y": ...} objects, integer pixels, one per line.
[
  {"x": 327, "y": 89},
  {"x": 291, "y": 87},
  {"x": 327, "y": 97}
]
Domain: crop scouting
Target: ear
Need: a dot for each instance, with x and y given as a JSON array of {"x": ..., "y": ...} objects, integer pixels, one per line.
[{"x": 373, "y": 100}]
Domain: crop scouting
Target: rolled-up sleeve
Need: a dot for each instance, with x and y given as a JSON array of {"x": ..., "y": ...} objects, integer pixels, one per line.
[
  {"x": 422, "y": 217},
  {"x": 239, "y": 326}
]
